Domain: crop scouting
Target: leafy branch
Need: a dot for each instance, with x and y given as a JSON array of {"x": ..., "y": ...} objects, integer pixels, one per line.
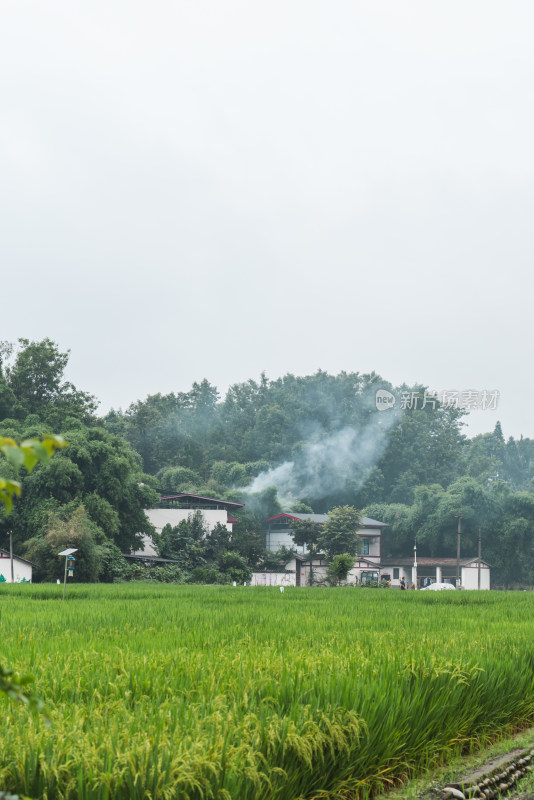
[
  {"x": 26, "y": 454},
  {"x": 16, "y": 688}
]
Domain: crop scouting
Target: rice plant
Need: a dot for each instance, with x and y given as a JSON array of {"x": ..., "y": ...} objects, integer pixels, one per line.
[{"x": 223, "y": 693}]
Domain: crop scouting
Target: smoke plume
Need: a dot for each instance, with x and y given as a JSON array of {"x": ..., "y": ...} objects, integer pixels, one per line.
[{"x": 328, "y": 462}]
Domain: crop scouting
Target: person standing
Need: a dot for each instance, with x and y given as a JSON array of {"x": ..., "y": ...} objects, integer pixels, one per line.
[{"x": 403, "y": 584}]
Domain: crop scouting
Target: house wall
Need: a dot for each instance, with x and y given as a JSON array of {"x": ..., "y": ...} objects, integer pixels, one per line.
[
  {"x": 22, "y": 571},
  {"x": 404, "y": 572},
  {"x": 159, "y": 517},
  {"x": 320, "y": 573},
  {"x": 276, "y": 539},
  {"x": 470, "y": 576},
  {"x": 273, "y": 579},
  {"x": 374, "y": 542},
  {"x": 354, "y": 576}
]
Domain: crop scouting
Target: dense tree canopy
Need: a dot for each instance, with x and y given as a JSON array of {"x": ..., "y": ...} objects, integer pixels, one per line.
[
  {"x": 31, "y": 382},
  {"x": 225, "y": 444},
  {"x": 504, "y": 517},
  {"x": 203, "y": 555},
  {"x": 305, "y": 533},
  {"x": 308, "y": 443},
  {"x": 98, "y": 472}
]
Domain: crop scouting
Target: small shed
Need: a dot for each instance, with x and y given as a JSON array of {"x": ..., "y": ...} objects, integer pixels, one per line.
[
  {"x": 22, "y": 569},
  {"x": 437, "y": 570}
]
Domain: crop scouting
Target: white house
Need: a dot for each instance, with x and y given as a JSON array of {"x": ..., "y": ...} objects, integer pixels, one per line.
[
  {"x": 176, "y": 507},
  {"x": 22, "y": 569},
  {"x": 277, "y": 533},
  {"x": 306, "y": 569}
]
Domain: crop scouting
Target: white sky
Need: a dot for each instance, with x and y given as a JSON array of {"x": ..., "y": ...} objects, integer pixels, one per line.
[{"x": 216, "y": 188}]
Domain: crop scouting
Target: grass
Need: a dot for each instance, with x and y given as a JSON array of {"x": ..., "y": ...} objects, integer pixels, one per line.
[
  {"x": 439, "y": 777},
  {"x": 222, "y": 692}
]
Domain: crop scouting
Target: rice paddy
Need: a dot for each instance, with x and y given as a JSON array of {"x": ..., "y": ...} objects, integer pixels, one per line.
[{"x": 232, "y": 692}]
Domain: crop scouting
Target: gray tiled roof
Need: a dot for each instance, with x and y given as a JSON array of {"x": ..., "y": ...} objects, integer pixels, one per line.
[{"x": 367, "y": 522}]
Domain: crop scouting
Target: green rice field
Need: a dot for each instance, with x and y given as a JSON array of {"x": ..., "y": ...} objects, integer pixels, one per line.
[{"x": 247, "y": 693}]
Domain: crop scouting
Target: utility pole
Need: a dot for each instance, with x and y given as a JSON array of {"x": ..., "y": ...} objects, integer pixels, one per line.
[
  {"x": 11, "y": 556},
  {"x": 68, "y": 552},
  {"x": 479, "y": 554},
  {"x": 65, "y": 578},
  {"x": 458, "y": 550}
]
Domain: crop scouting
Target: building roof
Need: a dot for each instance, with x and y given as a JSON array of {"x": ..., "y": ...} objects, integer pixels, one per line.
[
  {"x": 150, "y": 559},
  {"x": 367, "y": 522},
  {"x": 5, "y": 554},
  {"x": 429, "y": 562},
  {"x": 374, "y": 564},
  {"x": 374, "y": 523},
  {"x": 322, "y": 557},
  {"x": 186, "y": 496},
  {"x": 318, "y": 518}
]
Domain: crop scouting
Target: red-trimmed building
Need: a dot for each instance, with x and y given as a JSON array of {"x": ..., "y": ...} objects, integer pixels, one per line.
[
  {"x": 306, "y": 567},
  {"x": 277, "y": 534}
]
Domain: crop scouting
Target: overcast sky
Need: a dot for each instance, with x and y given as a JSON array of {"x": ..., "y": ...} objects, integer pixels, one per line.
[{"x": 214, "y": 188}]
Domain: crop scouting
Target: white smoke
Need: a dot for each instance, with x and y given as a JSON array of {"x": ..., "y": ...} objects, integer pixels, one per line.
[{"x": 327, "y": 463}]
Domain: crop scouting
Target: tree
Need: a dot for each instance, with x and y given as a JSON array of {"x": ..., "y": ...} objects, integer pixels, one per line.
[
  {"x": 99, "y": 471},
  {"x": 234, "y": 567},
  {"x": 247, "y": 542},
  {"x": 426, "y": 446},
  {"x": 398, "y": 537},
  {"x": 178, "y": 479},
  {"x": 183, "y": 543},
  {"x": 9, "y": 405},
  {"x": 300, "y": 508},
  {"x": 262, "y": 504},
  {"x": 36, "y": 380},
  {"x": 339, "y": 534},
  {"x": 276, "y": 560},
  {"x": 305, "y": 532},
  {"x": 217, "y": 542},
  {"x": 72, "y": 530},
  {"x": 339, "y": 568}
]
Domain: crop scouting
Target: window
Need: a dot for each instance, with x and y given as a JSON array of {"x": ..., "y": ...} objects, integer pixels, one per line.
[
  {"x": 395, "y": 573},
  {"x": 364, "y": 546}
]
